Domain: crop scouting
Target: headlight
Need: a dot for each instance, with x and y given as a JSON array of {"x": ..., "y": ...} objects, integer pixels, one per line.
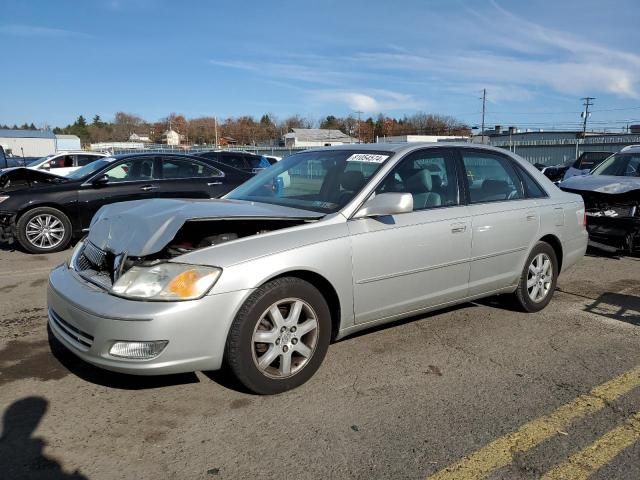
[
  {"x": 166, "y": 281},
  {"x": 2, "y": 199},
  {"x": 74, "y": 256}
]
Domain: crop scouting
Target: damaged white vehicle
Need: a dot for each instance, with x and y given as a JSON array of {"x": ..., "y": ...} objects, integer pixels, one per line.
[
  {"x": 611, "y": 194},
  {"x": 265, "y": 278}
]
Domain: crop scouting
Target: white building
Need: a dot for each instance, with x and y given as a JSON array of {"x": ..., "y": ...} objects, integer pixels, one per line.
[
  {"x": 28, "y": 143},
  {"x": 67, "y": 142},
  {"x": 171, "y": 137},
  {"x": 420, "y": 138},
  {"x": 316, "y": 137},
  {"x": 136, "y": 137},
  {"x": 110, "y": 146}
]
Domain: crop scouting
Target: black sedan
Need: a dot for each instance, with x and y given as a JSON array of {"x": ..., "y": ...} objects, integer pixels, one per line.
[{"x": 45, "y": 212}]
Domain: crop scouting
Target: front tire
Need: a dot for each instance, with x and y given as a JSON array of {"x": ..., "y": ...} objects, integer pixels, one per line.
[
  {"x": 279, "y": 337},
  {"x": 538, "y": 279},
  {"x": 44, "y": 230}
]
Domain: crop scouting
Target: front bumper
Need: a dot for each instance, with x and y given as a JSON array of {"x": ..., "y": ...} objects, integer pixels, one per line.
[
  {"x": 87, "y": 321},
  {"x": 7, "y": 227}
]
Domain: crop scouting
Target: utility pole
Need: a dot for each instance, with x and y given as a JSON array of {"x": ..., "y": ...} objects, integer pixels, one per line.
[
  {"x": 585, "y": 115},
  {"x": 359, "y": 113},
  {"x": 215, "y": 128},
  {"x": 484, "y": 104}
]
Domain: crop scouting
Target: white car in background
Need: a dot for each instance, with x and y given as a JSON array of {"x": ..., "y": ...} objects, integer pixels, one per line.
[{"x": 63, "y": 163}]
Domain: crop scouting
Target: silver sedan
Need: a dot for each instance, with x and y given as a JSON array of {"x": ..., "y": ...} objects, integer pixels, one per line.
[{"x": 321, "y": 245}]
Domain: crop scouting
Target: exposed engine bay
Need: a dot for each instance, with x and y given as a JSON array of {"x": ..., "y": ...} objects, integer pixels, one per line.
[
  {"x": 613, "y": 220},
  {"x": 197, "y": 234},
  {"x": 104, "y": 268}
]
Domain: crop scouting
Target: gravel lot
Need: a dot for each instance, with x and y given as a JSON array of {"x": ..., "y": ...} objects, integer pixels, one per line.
[{"x": 405, "y": 401}]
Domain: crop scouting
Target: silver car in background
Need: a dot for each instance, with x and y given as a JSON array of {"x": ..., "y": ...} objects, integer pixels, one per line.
[{"x": 265, "y": 278}]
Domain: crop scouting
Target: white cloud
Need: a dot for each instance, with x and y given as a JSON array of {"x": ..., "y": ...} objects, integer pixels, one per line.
[{"x": 372, "y": 101}]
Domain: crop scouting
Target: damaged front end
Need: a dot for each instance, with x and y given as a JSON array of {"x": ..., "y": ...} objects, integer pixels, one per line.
[
  {"x": 104, "y": 268},
  {"x": 613, "y": 220}
]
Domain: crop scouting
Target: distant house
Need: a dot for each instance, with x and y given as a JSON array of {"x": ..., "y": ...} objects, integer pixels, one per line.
[
  {"x": 137, "y": 137},
  {"x": 227, "y": 141},
  {"x": 316, "y": 137},
  {"x": 171, "y": 137}
]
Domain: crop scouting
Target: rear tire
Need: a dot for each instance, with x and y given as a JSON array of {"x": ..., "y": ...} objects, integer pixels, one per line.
[
  {"x": 538, "y": 279},
  {"x": 279, "y": 337},
  {"x": 44, "y": 230}
]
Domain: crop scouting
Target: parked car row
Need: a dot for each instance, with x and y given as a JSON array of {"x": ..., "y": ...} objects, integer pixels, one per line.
[
  {"x": 44, "y": 212},
  {"x": 267, "y": 276}
]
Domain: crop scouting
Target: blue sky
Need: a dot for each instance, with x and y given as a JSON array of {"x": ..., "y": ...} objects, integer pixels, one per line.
[{"x": 228, "y": 58}]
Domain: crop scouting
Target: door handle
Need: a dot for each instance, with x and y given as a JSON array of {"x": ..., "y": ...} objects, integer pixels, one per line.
[
  {"x": 209, "y": 184},
  {"x": 531, "y": 217},
  {"x": 458, "y": 228},
  {"x": 148, "y": 188}
]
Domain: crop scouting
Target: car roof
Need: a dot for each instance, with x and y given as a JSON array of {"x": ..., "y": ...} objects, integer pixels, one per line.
[
  {"x": 406, "y": 147},
  {"x": 631, "y": 149}
]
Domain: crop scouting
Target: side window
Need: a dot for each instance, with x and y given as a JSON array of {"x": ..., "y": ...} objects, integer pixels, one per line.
[
  {"x": 86, "y": 159},
  {"x": 62, "y": 161},
  {"x": 235, "y": 160},
  {"x": 633, "y": 167},
  {"x": 135, "y": 169},
  {"x": 532, "y": 188},
  {"x": 173, "y": 168},
  {"x": 491, "y": 178},
  {"x": 428, "y": 175}
]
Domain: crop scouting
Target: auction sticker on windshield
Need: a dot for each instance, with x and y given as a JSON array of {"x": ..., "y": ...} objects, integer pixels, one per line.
[{"x": 367, "y": 158}]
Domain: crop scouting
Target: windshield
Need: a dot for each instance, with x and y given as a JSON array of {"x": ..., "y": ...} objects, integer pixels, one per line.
[
  {"x": 620, "y": 165},
  {"x": 38, "y": 161},
  {"x": 90, "y": 169},
  {"x": 320, "y": 181}
]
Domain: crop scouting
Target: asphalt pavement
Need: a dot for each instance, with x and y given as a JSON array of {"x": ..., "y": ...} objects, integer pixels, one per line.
[{"x": 476, "y": 391}]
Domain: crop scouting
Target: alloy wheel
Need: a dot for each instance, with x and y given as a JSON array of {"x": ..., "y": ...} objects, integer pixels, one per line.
[
  {"x": 539, "y": 277},
  {"x": 285, "y": 338},
  {"x": 45, "y": 231}
]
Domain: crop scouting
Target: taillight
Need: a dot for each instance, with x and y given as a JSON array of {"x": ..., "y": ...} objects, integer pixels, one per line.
[{"x": 584, "y": 219}]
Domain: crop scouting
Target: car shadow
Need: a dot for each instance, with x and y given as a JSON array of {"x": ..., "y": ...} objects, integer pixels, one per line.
[
  {"x": 8, "y": 247},
  {"x": 404, "y": 321},
  {"x": 617, "y": 306},
  {"x": 105, "y": 378},
  {"x": 22, "y": 454}
]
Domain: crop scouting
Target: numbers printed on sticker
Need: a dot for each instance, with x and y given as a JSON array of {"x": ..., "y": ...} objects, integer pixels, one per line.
[{"x": 367, "y": 158}]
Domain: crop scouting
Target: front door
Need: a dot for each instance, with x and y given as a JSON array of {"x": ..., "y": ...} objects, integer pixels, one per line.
[{"x": 416, "y": 260}]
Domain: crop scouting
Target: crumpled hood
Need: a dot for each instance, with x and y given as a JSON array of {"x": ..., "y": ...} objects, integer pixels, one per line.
[
  {"x": 144, "y": 227},
  {"x": 18, "y": 178},
  {"x": 602, "y": 183}
]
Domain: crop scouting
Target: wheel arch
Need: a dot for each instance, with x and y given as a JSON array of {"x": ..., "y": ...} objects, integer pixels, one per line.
[
  {"x": 325, "y": 287},
  {"x": 556, "y": 244},
  {"x": 30, "y": 207}
]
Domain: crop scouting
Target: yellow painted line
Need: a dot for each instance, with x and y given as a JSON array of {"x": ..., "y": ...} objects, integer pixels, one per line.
[
  {"x": 584, "y": 463},
  {"x": 500, "y": 452}
]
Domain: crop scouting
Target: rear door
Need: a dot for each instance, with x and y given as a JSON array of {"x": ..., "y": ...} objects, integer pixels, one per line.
[
  {"x": 135, "y": 178},
  {"x": 504, "y": 221},
  {"x": 183, "y": 177}
]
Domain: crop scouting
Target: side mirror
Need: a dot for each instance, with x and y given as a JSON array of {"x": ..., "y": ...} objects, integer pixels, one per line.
[
  {"x": 386, "y": 204},
  {"x": 101, "y": 180}
]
